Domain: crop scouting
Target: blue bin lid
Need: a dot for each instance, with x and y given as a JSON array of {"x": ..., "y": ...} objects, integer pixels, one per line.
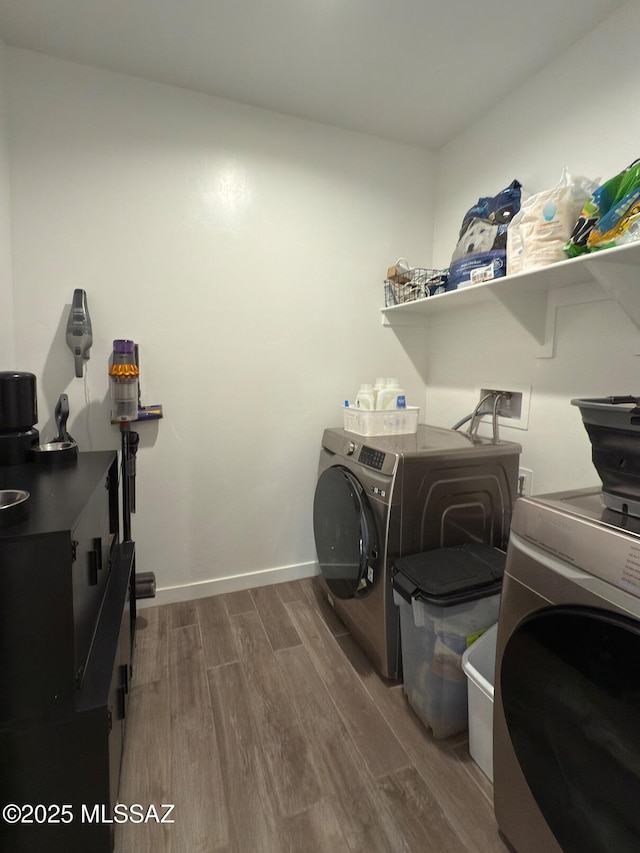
[{"x": 448, "y": 576}]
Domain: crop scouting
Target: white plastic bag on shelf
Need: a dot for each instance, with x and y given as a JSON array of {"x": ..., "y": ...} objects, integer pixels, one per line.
[{"x": 543, "y": 224}]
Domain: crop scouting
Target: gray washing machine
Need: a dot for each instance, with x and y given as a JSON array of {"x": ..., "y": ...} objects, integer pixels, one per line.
[
  {"x": 567, "y": 692},
  {"x": 382, "y": 497}
]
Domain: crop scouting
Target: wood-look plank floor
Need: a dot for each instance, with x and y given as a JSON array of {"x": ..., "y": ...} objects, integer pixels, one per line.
[{"x": 258, "y": 716}]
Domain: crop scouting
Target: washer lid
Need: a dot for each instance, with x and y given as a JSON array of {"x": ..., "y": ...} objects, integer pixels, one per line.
[{"x": 447, "y": 576}]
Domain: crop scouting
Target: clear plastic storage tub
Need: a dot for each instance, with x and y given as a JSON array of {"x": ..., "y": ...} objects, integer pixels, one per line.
[{"x": 447, "y": 598}]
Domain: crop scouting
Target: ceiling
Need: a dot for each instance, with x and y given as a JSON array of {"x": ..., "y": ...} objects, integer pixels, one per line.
[{"x": 417, "y": 71}]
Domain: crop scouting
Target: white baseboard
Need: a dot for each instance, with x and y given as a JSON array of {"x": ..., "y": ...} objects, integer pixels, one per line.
[{"x": 232, "y": 583}]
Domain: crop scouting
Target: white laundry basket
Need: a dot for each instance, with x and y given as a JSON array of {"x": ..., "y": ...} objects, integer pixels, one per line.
[{"x": 479, "y": 665}]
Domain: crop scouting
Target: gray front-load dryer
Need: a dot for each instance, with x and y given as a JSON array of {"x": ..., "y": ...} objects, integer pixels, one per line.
[
  {"x": 567, "y": 693},
  {"x": 381, "y": 497}
]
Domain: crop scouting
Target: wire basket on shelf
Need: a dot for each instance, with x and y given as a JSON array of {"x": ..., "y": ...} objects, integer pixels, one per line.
[{"x": 415, "y": 284}]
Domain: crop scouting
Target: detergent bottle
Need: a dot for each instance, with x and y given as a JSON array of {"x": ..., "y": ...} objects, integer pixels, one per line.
[
  {"x": 392, "y": 396},
  {"x": 377, "y": 388},
  {"x": 364, "y": 398}
]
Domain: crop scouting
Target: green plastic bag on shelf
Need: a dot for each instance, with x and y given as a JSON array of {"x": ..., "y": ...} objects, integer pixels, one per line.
[{"x": 604, "y": 211}]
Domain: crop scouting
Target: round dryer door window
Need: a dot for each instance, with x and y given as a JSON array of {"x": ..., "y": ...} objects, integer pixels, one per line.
[
  {"x": 570, "y": 680},
  {"x": 345, "y": 534}
]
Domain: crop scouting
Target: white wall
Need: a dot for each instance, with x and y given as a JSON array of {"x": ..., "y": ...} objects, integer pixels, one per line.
[
  {"x": 582, "y": 111},
  {"x": 6, "y": 291},
  {"x": 245, "y": 252}
]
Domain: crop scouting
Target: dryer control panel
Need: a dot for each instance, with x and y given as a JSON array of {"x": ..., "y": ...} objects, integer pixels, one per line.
[{"x": 372, "y": 457}]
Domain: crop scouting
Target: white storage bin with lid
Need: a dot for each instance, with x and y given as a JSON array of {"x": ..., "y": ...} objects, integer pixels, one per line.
[
  {"x": 479, "y": 665},
  {"x": 446, "y": 598}
]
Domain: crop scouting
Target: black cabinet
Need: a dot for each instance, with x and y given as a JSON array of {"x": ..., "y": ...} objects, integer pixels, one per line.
[{"x": 67, "y": 616}]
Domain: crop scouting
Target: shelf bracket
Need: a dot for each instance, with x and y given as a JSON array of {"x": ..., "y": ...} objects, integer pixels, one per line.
[
  {"x": 568, "y": 296},
  {"x": 529, "y": 308},
  {"x": 409, "y": 320},
  {"x": 620, "y": 282},
  {"x": 548, "y": 346}
]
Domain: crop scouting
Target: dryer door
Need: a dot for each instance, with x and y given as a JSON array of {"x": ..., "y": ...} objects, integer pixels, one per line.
[
  {"x": 345, "y": 534},
  {"x": 570, "y": 682}
]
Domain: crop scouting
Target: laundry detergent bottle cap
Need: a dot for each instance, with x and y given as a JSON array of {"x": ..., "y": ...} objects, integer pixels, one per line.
[{"x": 364, "y": 398}]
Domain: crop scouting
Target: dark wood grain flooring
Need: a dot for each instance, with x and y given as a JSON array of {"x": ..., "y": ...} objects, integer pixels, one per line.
[{"x": 258, "y": 716}]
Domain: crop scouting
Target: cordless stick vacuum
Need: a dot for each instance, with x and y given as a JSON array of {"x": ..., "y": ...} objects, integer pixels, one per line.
[{"x": 79, "y": 335}]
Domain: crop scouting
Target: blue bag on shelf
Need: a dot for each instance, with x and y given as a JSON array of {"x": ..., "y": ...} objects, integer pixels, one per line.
[{"x": 481, "y": 251}]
